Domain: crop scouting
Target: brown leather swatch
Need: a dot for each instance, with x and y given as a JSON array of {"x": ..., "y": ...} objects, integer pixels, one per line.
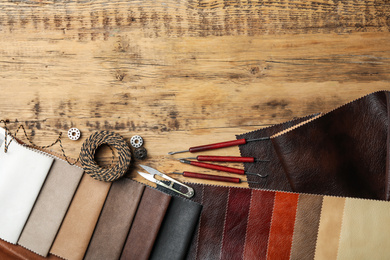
[
  {"x": 264, "y": 150},
  {"x": 306, "y": 227},
  {"x": 76, "y": 230},
  {"x": 235, "y": 223},
  {"x": 329, "y": 228},
  {"x": 146, "y": 224},
  {"x": 282, "y": 225},
  {"x": 211, "y": 222},
  {"x": 9, "y": 251},
  {"x": 115, "y": 220},
  {"x": 259, "y": 224},
  {"x": 50, "y": 208},
  {"x": 342, "y": 153}
]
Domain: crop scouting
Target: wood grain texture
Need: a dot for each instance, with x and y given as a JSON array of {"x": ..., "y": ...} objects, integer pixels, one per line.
[{"x": 184, "y": 73}]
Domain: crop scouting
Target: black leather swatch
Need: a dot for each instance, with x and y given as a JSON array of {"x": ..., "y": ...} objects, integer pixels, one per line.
[{"x": 177, "y": 229}]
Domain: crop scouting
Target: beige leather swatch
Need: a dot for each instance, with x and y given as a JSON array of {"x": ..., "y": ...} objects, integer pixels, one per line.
[
  {"x": 115, "y": 220},
  {"x": 329, "y": 228},
  {"x": 50, "y": 208},
  {"x": 306, "y": 227},
  {"x": 79, "y": 223},
  {"x": 365, "y": 230}
]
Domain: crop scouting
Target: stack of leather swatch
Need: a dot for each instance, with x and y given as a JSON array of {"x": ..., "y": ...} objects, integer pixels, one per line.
[{"x": 49, "y": 209}]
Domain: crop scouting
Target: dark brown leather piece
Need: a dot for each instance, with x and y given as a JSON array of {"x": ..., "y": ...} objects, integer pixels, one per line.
[
  {"x": 264, "y": 150},
  {"x": 9, "y": 251},
  {"x": 211, "y": 222},
  {"x": 341, "y": 153},
  {"x": 115, "y": 220},
  {"x": 146, "y": 224}
]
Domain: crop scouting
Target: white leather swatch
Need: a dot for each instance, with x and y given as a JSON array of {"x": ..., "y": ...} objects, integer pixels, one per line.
[
  {"x": 22, "y": 173},
  {"x": 365, "y": 230}
]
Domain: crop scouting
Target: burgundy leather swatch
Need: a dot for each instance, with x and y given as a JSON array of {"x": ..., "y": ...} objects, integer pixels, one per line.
[
  {"x": 342, "y": 153},
  {"x": 259, "y": 224},
  {"x": 146, "y": 224},
  {"x": 9, "y": 251},
  {"x": 210, "y": 232},
  {"x": 282, "y": 225},
  {"x": 306, "y": 227},
  {"x": 235, "y": 223},
  {"x": 264, "y": 150},
  {"x": 115, "y": 220}
]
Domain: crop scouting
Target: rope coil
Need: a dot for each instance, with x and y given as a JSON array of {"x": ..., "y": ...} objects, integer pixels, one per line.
[{"x": 87, "y": 156}]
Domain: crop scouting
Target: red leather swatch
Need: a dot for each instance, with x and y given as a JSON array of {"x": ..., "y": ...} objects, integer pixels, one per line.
[
  {"x": 282, "y": 225},
  {"x": 211, "y": 222},
  {"x": 9, "y": 251},
  {"x": 259, "y": 224},
  {"x": 235, "y": 224}
]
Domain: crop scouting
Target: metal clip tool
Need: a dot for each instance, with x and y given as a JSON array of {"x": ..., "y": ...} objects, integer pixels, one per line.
[{"x": 150, "y": 177}]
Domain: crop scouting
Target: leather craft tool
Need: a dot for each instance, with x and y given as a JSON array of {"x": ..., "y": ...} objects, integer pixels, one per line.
[
  {"x": 214, "y": 158},
  {"x": 150, "y": 177},
  {"x": 211, "y": 177},
  {"x": 221, "y": 168},
  {"x": 219, "y": 145}
]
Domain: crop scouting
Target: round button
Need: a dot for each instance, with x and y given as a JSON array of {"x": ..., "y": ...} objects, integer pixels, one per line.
[{"x": 74, "y": 134}]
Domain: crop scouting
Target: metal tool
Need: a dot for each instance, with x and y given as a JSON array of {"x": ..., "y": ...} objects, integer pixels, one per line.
[
  {"x": 220, "y": 168},
  {"x": 220, "y": 145},
  {"x": 211, "y": 177},
  {"x": 150, "y": 177},
  {"x": 213, "y": 158}
]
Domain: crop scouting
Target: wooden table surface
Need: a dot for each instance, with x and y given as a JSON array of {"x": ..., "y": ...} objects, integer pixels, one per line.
[{"x": 182, "y": 73}]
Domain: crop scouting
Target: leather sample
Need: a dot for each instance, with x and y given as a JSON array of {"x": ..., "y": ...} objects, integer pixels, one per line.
[
  {"x": 210, "y": 231},
  {"x": 115, "y": 220},
  {"x": 16, "y": 252},
  {"x": 235, "y": 223},
  {"x": 50, "y": 208},
  {"x": 306, "y": 227},
  {"x": 259, "y": 224},
  {"x": 146, "y": 224},
  {"x": 365, "y": 230},
  {"x": 264, "y": 150},
  {"x": 79, "y": 223},
  {"x": 341, "y": 153},
  {"x": 22, "y": 174},
  {"x": 282, "y": 225},
  {"x": 329, "y": 228},
  {"x": 177, "y": 229}
]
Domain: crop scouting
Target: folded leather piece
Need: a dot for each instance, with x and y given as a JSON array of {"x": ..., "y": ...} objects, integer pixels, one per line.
[
  {"x": 264, "y": 150},
  {"x": 282, "y": 225},
  {"x": 79, "y": 223},
  {"x": 22, "y": 174},
  {"x": 365, "y": 230},
  {"x": 177, "y": 229},
  {"x": 146, "y": 224},
  {"x": 16, "y": 252},
  {"x": 342, "y": 153},
  {"x": 50, "y": 208},
  {"x": 236, "y": 220},
  {"x": 115, "y": 220},
  {"x": 259, "y": 224},
  {"x": 329, "y": 228},
  {"x": 306, "y": 227}
]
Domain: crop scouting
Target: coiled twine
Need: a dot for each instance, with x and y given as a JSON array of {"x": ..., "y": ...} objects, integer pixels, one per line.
[{"x": 88, "y": 150}]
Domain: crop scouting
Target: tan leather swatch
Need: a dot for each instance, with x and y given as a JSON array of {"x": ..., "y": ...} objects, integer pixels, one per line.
[
  {"x": 146, "y": 224},
  {"x": 50, "y": 208},
  {"x": 306, "y": 226},
  {"x": 115, "y": 220},
  {"x": 365, "y": 230},
  {"x": 79, "y": 223},
  {"x": 329, "y": 228}
]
